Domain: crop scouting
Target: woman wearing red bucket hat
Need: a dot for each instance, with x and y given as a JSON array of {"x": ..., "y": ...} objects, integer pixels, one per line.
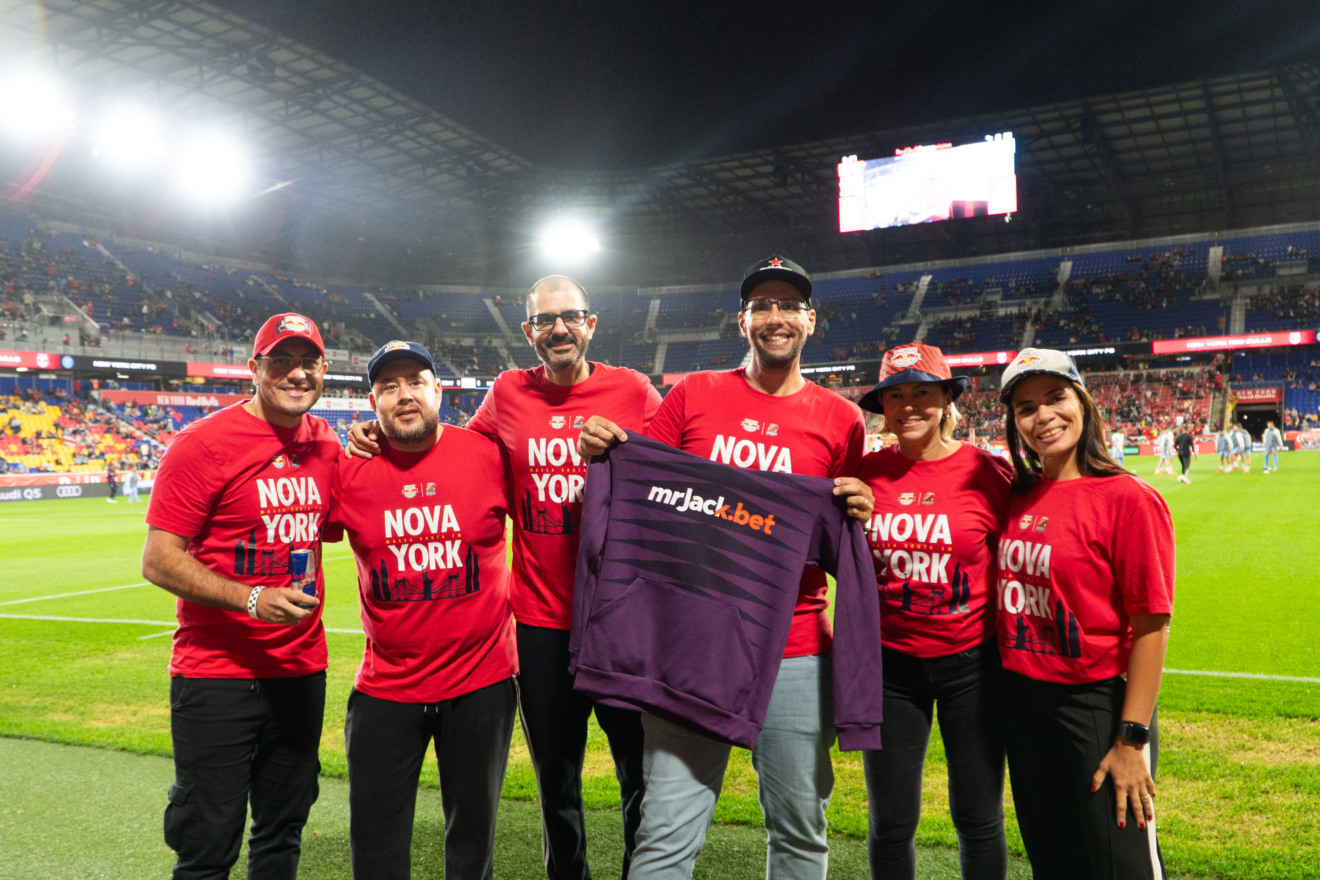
[{"x": 940, "y": 505}]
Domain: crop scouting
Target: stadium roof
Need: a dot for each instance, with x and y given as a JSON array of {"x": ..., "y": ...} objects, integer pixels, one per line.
[{"x": 376, "y": 184}]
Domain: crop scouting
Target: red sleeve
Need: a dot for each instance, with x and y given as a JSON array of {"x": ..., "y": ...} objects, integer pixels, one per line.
[
  {"x": 485, "y": 421},
  {"x": 854, "y": 448},
  {"x": 666, "y": 425},
  {"x": 1143, "y": 553},
  {"x": 188, "y": 484},
  {"x": 332, "y": 530},
  {"x": 653, "y": 401}
]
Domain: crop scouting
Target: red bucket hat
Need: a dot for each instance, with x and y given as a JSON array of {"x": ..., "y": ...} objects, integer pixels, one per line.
[{"x": 912, "y": 363}]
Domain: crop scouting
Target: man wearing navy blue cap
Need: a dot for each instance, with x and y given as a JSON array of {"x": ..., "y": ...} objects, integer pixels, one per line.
[{"x": 426, "y": 523}]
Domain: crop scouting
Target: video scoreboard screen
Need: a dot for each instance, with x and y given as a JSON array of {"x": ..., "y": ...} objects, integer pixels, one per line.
[{"x": 931, "y": 182}]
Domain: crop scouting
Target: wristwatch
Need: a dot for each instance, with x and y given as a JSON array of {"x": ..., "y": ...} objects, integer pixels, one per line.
[{"x": 1137, "y": 734}]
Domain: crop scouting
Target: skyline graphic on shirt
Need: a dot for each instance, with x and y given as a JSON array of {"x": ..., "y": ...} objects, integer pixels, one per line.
[
  {"x": 453, "y": 585},
  {"x": 935, "y": 601},
  {"x": 1060, "y": 637}
]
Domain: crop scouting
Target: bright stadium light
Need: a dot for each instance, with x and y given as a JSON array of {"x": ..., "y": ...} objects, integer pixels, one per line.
[
  {"x": 34, "y": 106},
  {"x": 212, "y": 169},
  {"x": 569, "y": 240},
  {"x": 129, "y": 139}
]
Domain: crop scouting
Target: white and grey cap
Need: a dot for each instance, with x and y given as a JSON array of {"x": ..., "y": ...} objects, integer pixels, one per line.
[{"x": 1037, "y": 360}]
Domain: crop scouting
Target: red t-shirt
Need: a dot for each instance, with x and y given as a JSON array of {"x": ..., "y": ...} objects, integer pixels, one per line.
[
  {"x": 427, "y": 531},
  {"x": 812, "y": 432},
  {"x": 538, "y": 423},
  {"x": 933, "y": 537},
  {"x": 1077, "y": 559},
  {"x": 246, "y": 493}
]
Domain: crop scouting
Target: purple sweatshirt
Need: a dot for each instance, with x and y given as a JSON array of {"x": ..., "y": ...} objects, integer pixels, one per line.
[{"x": 686, "y": 580}]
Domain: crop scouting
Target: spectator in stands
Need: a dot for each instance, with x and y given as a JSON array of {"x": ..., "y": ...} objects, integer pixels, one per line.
[
  {"x": 937, "y": 622},
  {"x": 235, "y": 495},
  {"x": 527, "y": 409},
  {"x": 1083, "y": 671}
]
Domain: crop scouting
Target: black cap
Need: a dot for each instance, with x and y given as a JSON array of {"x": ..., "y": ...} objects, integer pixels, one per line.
[
  {"x": 777, "y": 268},
  {"x": 392, "y": 351}
]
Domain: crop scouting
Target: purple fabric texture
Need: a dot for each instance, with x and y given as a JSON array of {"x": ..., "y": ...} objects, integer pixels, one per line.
[{"x": 686, "y": 580}]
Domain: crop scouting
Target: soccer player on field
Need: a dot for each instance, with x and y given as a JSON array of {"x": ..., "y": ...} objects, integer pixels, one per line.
[
  {"x": 1273, "y": 441},
  {"x": 425, "y": 519},
  {"x": 1243, "y": 442},
  {"x": 237, "y": 492},
  {"x": 769, "y": 417},
  {"x": 535, "y": 415},
  {"x": 940, "y": 506},
  {"x": 1086, "y": 576},
  {"x": 1224, "y": 448},
  {"x": 1164, "y": 448}
]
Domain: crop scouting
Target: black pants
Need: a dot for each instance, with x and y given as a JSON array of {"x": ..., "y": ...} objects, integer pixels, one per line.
[
  {"x": 966, "y": 689},
  {"x": 386, "y": 742},
  {"x": 241, "y": 741},
  {"x": 1056, "y": 736},
  {"x": 1185, "y": 461},
  {"x": 554, "y": 718}
]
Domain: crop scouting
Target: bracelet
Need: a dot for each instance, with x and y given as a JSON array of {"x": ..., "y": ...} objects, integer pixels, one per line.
[{"x": 252, "y": 602}]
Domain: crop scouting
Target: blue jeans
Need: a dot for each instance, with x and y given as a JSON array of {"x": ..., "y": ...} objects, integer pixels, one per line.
[
  {"x": 966, "y": 689},
  {"x": 683, "y": 772}
]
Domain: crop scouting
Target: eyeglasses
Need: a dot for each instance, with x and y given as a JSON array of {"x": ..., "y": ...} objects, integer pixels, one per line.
[
  {"x": 571, "y": 318},
  {"x": 786, "y": 306},
  {"x": 282, "y": 363}
]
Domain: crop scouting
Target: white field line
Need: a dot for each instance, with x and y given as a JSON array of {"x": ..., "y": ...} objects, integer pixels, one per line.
[
  {"x": 1208, "y": 673},
  {"x": 67, "y": 595},
  {"x": 111, "y": 589},
  {"x": 169, "y": 623},
  {"x": 1251, "y": 675}
]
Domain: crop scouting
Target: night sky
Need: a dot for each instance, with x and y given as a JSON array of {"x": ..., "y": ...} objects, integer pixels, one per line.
[{"x": 630, "y": 84}]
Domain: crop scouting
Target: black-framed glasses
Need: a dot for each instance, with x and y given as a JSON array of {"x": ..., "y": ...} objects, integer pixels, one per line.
[
  {"x": 546, "y": 320},
  {"x": 283, "y": 363},
  {"x": 786, "y": 306}
]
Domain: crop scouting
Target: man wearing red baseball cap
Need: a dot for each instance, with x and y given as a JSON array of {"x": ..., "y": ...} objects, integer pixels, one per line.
[{"x": 237, "y": 494}]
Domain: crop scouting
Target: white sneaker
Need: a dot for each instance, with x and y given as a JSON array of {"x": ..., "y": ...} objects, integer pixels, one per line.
[{"x": 1183, "y": 479}]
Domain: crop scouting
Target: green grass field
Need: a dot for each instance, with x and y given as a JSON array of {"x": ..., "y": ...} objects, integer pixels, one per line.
[{"x": 84, "y": 644}]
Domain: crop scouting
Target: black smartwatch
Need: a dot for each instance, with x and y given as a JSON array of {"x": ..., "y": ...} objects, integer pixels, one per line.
[{"x": 1137, "y": 734}]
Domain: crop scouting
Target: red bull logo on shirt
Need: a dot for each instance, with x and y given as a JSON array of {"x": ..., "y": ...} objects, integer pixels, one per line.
[{"x": 717, "y": 507}]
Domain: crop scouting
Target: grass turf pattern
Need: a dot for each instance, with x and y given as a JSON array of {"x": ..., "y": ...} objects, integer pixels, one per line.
[{"x": 1238, "y": 788}]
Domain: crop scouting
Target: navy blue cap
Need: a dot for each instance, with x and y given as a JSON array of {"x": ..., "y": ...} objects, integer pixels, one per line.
[{"x": 392, "y": 351}]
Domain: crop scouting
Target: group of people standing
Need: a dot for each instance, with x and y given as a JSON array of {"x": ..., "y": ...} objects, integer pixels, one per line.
[{"x": 1025, "y": 602}]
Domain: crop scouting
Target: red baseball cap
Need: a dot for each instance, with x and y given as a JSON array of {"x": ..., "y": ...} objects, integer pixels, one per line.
[
  {"x": 289, "y": 325},
  {"x": 912, "y": 363}
]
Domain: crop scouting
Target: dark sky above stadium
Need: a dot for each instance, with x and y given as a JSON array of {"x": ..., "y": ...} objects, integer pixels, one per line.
[{"x": 629, "y": 83}]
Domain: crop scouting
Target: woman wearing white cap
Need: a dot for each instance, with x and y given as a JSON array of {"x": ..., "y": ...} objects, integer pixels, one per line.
[
  {"x": 1086, "y": 571},
  {"x": 940, "y": 504}
]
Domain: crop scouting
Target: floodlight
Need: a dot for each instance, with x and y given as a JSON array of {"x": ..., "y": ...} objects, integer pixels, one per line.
[
  {"x": 569, "y": 240},
  {"x": 34, "y": 106},
  {"x": 212, "y": 168},
  {"x": 129, "y": 139}
]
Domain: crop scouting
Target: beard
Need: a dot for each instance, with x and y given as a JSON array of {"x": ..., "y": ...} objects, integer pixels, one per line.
[
  {"x": 778, "y": 360},
  {"x": 555, "y": 361},
  {"x": 416, "y": 434}
]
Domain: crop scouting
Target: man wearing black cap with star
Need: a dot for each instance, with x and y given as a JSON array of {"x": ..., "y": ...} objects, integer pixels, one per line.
[
  {"x": 425, "y": 519},
  {"x": 766, "y": 416}
]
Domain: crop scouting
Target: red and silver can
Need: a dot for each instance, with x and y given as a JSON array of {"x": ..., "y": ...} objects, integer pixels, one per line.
[{"x": 302, "y": 579}]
